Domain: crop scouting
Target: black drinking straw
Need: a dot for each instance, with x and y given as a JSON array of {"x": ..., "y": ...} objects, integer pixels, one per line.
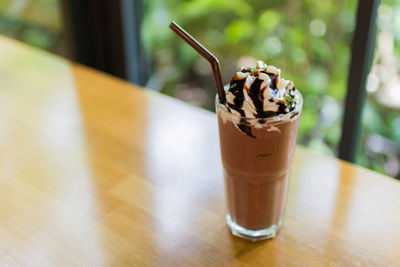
[{"x": 206, "y": 54}]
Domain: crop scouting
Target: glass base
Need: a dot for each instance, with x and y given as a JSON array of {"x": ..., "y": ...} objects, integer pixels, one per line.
[{"x": 252, "y": 235}]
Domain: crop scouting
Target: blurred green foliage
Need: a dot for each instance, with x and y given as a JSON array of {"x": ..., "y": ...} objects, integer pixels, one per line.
[
  {"x": 36, "y": 22},
  {"x": 380, "y": 139},
  {"x": 309, "y": 40}
]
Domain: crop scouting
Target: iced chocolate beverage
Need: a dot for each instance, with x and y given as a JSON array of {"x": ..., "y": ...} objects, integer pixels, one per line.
[{"x": 258, "y": 132}]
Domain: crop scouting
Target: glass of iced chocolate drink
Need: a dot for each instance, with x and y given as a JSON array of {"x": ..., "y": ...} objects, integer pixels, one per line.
[
  {"x": 258, "y": 118},
  {"x": 258, "y": 131}
]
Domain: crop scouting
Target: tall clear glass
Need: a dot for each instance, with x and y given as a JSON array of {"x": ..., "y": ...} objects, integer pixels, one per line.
[{"x": 257, "y": 155}]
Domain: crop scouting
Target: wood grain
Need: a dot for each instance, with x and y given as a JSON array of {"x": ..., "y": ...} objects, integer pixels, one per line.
[{"x": 95, "y": 171}]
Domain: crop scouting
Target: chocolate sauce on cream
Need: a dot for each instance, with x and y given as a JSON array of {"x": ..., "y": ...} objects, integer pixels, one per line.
[
  {"x": 257, "y": 97},
  {"x": 236, "y": 88},
  {"x": 260, "y": 93}
]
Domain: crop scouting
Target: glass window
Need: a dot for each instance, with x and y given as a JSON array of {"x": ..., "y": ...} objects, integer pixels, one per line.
[
  {"x": 36, "y": 22},
  {"x": 309, "y": 40},
  {"x": 380, "y": 141}
]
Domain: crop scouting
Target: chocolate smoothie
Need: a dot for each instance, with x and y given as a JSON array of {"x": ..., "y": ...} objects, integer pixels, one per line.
[{"x": 258, "y": 132}]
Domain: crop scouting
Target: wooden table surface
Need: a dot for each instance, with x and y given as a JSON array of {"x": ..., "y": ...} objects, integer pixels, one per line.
[{"x": 95, "y": 171}]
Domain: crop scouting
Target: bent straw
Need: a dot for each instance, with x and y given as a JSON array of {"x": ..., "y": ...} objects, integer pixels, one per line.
[{"x": 206, "y": 54}]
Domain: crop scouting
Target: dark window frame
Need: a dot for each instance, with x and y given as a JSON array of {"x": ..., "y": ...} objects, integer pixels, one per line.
[
  {"x": 361, "y": 59},
  {"x": 106, "y": 35}
]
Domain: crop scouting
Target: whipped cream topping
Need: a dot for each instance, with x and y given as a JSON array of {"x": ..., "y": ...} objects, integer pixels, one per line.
[{"x": 260, "y": 92}]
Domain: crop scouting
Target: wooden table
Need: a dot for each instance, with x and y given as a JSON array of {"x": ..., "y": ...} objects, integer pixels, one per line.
[{"x": 95, "y": 171}]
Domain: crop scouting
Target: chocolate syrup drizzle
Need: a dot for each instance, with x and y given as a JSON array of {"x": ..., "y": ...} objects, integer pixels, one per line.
[
  {"x": 257, "y": 96},
  {"x": 236, "y": 88}
]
